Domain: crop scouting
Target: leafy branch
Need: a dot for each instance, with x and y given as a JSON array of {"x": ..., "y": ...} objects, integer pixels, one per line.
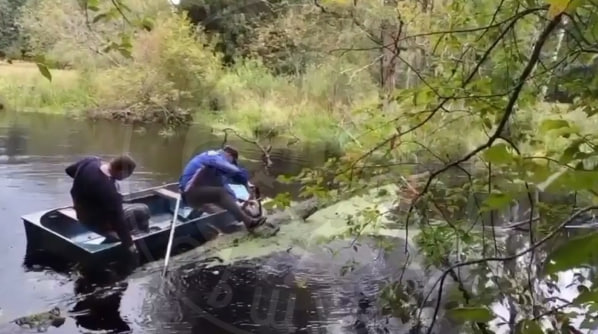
[
  {"x": 514, "y": 19},
  {"x": 508, "y": 110},
  {"x": 546, "y": 238}
]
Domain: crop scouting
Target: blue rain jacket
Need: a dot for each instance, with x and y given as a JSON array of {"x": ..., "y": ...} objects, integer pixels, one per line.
[{"x": 216, "y": 171}]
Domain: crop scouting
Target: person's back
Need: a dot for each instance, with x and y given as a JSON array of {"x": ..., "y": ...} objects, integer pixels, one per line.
[
  {"x": 94, "y": 193},
  {"x": 95, "y": 197}
]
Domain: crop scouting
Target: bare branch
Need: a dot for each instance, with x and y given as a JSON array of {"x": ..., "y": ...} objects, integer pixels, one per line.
[{"x": 267, "y": 161}]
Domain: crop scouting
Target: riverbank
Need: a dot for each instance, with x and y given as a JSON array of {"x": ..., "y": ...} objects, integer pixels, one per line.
[
  {"x": 253, "y": 105},
  {"x": 88, "y": 94}
]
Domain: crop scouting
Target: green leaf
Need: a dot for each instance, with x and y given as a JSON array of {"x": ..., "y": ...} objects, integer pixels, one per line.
[
  {"x": 498, "y": 154},
  {"x": 147, "y": 24},
  {"x": 587, "y": 296},
  {"x": 475, "y": 314},
  {"x": 496, "y": 201},
  {"x": 125, "y": 41},
  {"x": 528, "y": 327},
  {"x": 575, "y": 180},
  {"x": 125, "y": 52},
  {"x": 93, "y": 5},
  {"x": 572, "y": 152},
  {"x": 99, "y": 17},
  {"x": 559, "y": 128},
  {"x": 553, "y": 124},
  {"x": 424, "y": 96},
  {"x": 573, "y": 253},
  {"x": 43, "y": 69}
]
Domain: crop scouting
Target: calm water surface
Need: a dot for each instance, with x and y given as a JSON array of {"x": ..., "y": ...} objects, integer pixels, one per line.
[{"x": 35, "y": 149}]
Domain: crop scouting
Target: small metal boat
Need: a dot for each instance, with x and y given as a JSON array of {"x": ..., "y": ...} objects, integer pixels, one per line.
[{"x": 58, "y": 231}]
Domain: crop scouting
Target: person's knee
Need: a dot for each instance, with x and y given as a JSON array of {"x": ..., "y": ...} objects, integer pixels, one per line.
[
  {"x": 222, "y": 194},
  {"x": 138, "y": 216}
]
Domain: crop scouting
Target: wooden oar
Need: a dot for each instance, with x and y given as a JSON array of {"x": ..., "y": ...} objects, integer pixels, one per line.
[{"x": 171, "y": 237}]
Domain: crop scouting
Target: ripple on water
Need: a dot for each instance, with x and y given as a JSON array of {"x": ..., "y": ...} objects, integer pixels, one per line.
[{"x": 279, "y": 293}]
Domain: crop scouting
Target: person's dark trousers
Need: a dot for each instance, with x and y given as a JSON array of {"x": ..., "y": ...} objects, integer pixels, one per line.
[{"x": 200, "y": 195}]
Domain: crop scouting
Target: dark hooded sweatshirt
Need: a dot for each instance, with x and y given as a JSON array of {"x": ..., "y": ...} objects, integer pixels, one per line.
[{"x": 96, "y": 199}]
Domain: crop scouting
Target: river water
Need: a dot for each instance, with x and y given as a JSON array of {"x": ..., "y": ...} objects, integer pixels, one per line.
[{"x": 35, "y": 149}]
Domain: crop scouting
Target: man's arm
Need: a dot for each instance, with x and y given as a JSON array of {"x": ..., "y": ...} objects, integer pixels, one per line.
[
  {"x": 242, "y": 177},
  {"x": 113, "y": 206},
  {"x": 226, "y": 167}
]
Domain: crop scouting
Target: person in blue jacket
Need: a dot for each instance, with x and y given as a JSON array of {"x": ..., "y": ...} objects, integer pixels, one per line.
[{"x": 205, "y": 181}]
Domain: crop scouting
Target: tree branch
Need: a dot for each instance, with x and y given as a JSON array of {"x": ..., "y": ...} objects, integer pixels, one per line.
[
  {"x": 509, "y": 109},
  {"x": 267, "y": 161},
  {"x": 470, "y": 77}
]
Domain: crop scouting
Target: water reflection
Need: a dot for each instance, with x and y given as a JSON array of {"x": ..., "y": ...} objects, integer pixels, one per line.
[{"x": 99, "y": 309}]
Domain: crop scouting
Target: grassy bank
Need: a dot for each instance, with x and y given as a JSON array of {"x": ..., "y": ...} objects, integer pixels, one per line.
[
  {"x": 22, "y": 88},
  {"x": 175, "y": 73},
  {"x": 77, "y": 93}
]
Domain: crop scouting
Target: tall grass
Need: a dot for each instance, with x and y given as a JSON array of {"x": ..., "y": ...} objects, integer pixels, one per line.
[{"x": 23, "y": 88}]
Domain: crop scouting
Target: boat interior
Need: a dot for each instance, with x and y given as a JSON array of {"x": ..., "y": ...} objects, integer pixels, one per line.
[{"x": 161, "y": 202}]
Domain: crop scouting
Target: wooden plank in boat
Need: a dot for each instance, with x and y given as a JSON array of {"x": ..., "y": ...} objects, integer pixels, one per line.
[
  {"x": 167, "y": 193},
  {"x": 69, "y": 212}
]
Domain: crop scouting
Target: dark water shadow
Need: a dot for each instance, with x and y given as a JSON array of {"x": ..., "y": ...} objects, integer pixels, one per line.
[
  {"x": 98, "y": 305},
  {"x": 98, "y": 292}
]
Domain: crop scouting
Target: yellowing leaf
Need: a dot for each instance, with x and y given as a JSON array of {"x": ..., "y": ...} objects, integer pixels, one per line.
[{"x": 562, "y": 6}]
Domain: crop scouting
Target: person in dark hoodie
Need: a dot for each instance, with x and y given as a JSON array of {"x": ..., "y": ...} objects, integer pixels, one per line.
[
  {"x": 205, "y": 180},
  {"x": 99, "y": 204}
]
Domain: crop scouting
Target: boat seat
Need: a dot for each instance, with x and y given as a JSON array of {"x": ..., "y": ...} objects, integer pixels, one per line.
[
  {"x": 167, "y": 193},
  {"x": 69, "y": 212}
]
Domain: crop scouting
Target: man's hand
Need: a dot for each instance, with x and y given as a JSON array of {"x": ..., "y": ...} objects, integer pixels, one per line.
[
  {"x": 132, "y": 256},
  {"x": 133, "y": 249}
]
